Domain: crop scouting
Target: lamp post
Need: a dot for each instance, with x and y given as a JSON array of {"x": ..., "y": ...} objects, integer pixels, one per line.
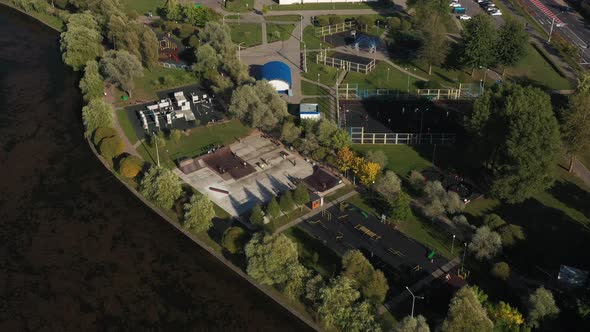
[
  {"x": 421, "y": 121},
  {"x": 157, "y": 153},
  {"x": 240, "y": 51},
  {"x": 414, "y": 300},
  {"x": 318, "y": 79},
  {"x": 301, "y": 28},
  {"x": 453, "y": 244},
  {"x": 388, "y": 74},
  {"x": 553, "y": 24},
  {"x": 464, "y": 252},
  {"x": 485, "y": 77}
]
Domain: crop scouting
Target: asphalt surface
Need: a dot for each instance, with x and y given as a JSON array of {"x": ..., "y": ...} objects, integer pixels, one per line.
[{"x": 402, "y": 260}]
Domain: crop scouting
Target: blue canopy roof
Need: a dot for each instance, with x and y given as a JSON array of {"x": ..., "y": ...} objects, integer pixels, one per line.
[{"x": 276, "y": 70}]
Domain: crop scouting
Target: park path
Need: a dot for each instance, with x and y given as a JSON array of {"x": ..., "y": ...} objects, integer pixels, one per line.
[
  {"x": 316, "y": 211},
  {"x": 109, "y": 97},
  {"x": 582, "y": 172}
]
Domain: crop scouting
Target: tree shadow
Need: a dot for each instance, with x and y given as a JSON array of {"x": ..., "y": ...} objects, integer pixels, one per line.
[{"x": 572, "y": 195}]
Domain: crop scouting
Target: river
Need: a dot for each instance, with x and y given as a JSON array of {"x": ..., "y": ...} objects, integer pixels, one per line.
[{"x": 78, "y": 252}]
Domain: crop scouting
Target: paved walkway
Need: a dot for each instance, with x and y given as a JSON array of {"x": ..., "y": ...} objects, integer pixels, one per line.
[
  {"x": 582, "y": 172},
  {"x": 316, "y": 211}
]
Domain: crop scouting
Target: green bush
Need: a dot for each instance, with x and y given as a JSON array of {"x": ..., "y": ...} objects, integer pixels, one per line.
[
  {"x": 184, "y": 30},
  {"x": 130, "y": 166},
  {"x": 234, "y": 239},
  {"x": 111, "y": 147},
  {"x": 501, "y": 270},
  {"x": 102, "y": 132}
]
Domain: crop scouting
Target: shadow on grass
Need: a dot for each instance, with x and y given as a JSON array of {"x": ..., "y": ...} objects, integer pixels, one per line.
[{"x": 572, "y": 195}]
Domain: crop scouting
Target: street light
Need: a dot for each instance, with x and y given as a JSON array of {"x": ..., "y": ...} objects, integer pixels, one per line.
[
  {"x": 485, "y": 77},
  {"x": 414, "y": 299},
  {"x": 452, "y": 244},
  {"x": 318, "y": 79},
  {"x": 421, "y": 120},
  {"x": 552, "y": 24},
  {"x": 388, "y": 74},
  {"x": 240, "y": 51},
  {"x": 464, "y": 252}
]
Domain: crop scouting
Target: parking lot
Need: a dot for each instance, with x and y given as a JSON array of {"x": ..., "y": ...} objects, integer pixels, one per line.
[
  {"x": 205, "y": 111},
  {"x": 473, "y": 8},
  {"x": 238, "y": 195},
  {"x": 403, "y": 260}
]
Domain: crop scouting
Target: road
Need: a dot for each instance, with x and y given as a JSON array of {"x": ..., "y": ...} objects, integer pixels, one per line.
[{"x": 571, "y": 25}]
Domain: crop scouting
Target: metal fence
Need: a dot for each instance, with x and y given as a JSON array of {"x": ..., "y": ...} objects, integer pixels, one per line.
[
  {"x": 465, "y": 91},
  {"x": 334, "y": 28},
  {"x": 174, "y": 66},
  {"x": 359, "y": 136},
  {"x": 324, "y": 59}
]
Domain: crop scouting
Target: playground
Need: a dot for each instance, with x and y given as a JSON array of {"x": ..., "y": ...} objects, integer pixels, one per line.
[
  {"x": 404, "y": 116},
  {"x": 346, "y": 227}
]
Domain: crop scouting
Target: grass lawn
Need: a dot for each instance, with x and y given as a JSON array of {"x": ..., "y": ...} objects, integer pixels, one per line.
[
  {"x": 378, "y": 79},
  {"x": 125, "y": 122},
  {"x": 313, "y": 254},
  {"x": 400, "y": 158},
  {"x": 310, "y": 89},
  {"x": 284, "y": 18},
  {"x": 535, "y": 69},
  {"x": 327, "y": 74},
  {"x": 272, "y": 226},
  {"x": 142, "y": 6},
  {"x": 248, "y": 33},
  {"x": 285, "y": 31},
  {"x": 239, "y": 5},
  {"x": 312, "y": 42},
  {"x": 338, "y": 193},
  {"x": 191, "y": 145},
  {"x": 327, "y": 6},
  {"x": 159, "y": 78}
]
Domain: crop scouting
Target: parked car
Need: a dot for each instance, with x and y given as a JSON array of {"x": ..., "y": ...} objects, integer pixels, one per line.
[
  {"x": 459, "y": 10},
  {"x": 454, "y": 4},
  {"x": 496, "y": 13},
  {"x": 491, "y": 9},
  {"x": 465, "y": 17}
]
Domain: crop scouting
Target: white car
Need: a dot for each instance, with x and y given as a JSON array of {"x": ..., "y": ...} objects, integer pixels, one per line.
[
  {"x": 454, "y": 4},
  {"x": 496, "y": 13},
  {"x": 491, "y": 9},
  {"x": 465, "y": 17},
  {"x": 480, "y": 1}
]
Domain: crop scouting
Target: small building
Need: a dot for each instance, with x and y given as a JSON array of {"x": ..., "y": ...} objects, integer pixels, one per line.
[
  {"x": 278, "y": 74},
  {"x": 572, "y": 277},
  {"x": 321, "y": 183},
  {"x": 309, "y": 112}
]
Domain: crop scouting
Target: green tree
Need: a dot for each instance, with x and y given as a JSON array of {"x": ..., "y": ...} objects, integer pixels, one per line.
[
  {"x": 576, "y": 122},
  {"x": 518, "y": 135},
  {"x": 412, "y": 324},
  {"x": 512, "y": 43},
  {"x": 340, "y": 139},
  {"x": 161, "y": 186},
  {"x": 175, "y": 135},
  {"x": 494, "y": 221},
  {"x": 290, "y": 132},
  {"x": 485, "y": 244},
  {"x": 122, "y": 33},
  {"x": 96, "y": 114},
  {"x": 511, "y": 234},
  {"x": 111, "y": 147},
  {"x": 234, "y": 239},
  {"x": 198, "y": 16},
  {"x": 92, "y": 83},
  {"x": 301, "y": 195},
  {"x": 466, "y": 314},
  {"x": 388, "y": 185},
  {"x": 501, "y": 270},
  {"x": 479, "y": 42},
  {"x": 435, "y": 46},
  {"x": 258, "y": 105},
  {"x": 541, "y": 305},
  {"x": 312, "y": 289},
  {"x": 324, "y": 131},
  {"x": 101, "y": 133},
  {"x": 273, "y": 260},
  {"x": 81, "y": 42},
  {"x": 256, "y": 216},
  {"x": 121, "y": 68},
  {"x": 364, "y": 22},
  {"x": 399, "y": 207},
  {"x": 272, "y": 209},
  {"x": 149, "y": 48},
  {"x": 173, "y": 10},
  {"x": 286, "y": 202},
  {"x": 377, "y": 156},
  {"x": 198, "y": 214},
  {"x": 372, "y": 283},
  {"x": 207, "y": 60}
]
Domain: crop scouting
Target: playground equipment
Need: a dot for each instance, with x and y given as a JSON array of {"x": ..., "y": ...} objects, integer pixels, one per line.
[
  {"x": 168, "y": 50},
  {"x": 417, "y": 268},
  {"x": 367, "y": 232},
  {"x": 362, "y": 41},
  {"x": 326, "y": 214},
  {"x": 395, "y": 252},
  {"x": 431, "y": 254}
]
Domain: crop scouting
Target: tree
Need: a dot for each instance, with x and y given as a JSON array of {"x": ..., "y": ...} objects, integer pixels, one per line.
[
  {"x": 301, "y": 195},
  {"x": 121, "y": 68},
  {"x": 417, "y": 180},
  {"x": 485, "y": 244},
  {"x": 207, "y": 60},
  {"x": 234, "y": 239},
  {"x": 412, "y": 324},
  {"x": 518, "y": 135},
  {"x": 92, "y": 83},
  {"x": 175, "y": 135},
  {"x": 365, "y": 22},
  {"x": 575, "y": 128},
  {"x": 494, "y": 221},
  {"x": 149, "y": 48},
  {"x": 372, "y": 283},
  {"x": 388, "y": 185},
  {"x": 286, "y": 202},
  {"x": 466, "y": 314},
  {"x": 122, "y": 33},
  {"x": 259, "y": 105},
  {"x": 479, "y": 41},
  {"x": 344, "y": 159},
  {"x": 290, "y": 132},
  {"x": 198, "y": 214},
  {"x": 130, "y": 166},
  {"x": 272, "y": 209},
  {"x": 96, "y": 114},
  {"x": 505, "y": 317},
  {"x": 435, "y": 46},
  {"x": 501, "y": 270},
  {"x": 324, "y": 131},
  {"x": 111, "y": 147},
  {"x": 377, "y": 156},
  {"x": 273, "y": 260},
  {"x": 161, "y": 186},
  {"x": 541, "y": 305},
  {"x": 101, "y": 133},
  {"x": 368, "y": 172},
  {"x": 81, "y": 42},
  {"x": 340, "y": 139},
  {"x": 511, "y": 234},
  {"x": 256, "y": 215},
  {"x": 512, "y": 43},
  {"x": 198, "y": 16},
  {"x": 399, "y": 209},
  {"x": 173, "y": 10},
  {"x": 312, "y": 289}
]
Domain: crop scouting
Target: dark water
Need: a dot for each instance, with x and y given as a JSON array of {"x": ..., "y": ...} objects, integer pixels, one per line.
[{"x": 77, "y": 251}]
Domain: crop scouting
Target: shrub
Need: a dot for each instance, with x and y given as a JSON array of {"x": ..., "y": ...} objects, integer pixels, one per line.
[
  {"x": 234, "y": 239},
  {"x": 101, "y": 133},
  {"x": 319, "y": 153},
  {"x": 175, "y": 135},
  {"x": 501, "y": 270},
  {"x": 130, "y": 166},
  {"x": 110, "y": 147},
  {"x": 417, "y": 181},
  {"x": 184, "y": 30}
]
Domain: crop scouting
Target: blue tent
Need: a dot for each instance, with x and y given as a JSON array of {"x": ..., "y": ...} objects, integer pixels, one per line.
[{"x": 278, "y": 74}]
